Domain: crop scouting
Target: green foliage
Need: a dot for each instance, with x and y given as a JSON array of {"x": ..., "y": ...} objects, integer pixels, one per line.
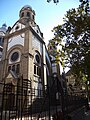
[
  {"x": 55, "y": 1},
  {"x": 73, "y": 37}
]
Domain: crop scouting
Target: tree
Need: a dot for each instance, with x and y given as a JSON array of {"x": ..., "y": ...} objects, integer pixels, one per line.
[
  {"x": 73, "y": 37},
  {"x": 57, "y": 1}
]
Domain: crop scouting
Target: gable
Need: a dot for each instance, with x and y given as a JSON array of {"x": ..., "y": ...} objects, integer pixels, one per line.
[
  {"x": 16, "y": 27},
  {"x": 11, "y": 78}
]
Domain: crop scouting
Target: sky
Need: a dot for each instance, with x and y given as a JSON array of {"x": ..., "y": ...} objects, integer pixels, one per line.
[{"x": 48, "y": 15}]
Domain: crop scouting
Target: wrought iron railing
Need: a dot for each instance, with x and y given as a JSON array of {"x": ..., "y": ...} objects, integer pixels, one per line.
[{"x": 21, "y": 102}]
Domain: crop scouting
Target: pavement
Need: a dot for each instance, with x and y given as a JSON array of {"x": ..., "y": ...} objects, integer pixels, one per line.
[
  {"x": 87, "y": 115},
  {"x": 80, "y": 114}
]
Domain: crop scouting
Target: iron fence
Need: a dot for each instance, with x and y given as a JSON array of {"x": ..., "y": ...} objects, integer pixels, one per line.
[{"x": 21, "y": 102}]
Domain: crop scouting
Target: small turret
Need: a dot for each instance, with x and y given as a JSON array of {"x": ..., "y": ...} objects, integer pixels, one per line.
[
  {"x": 3, "y": 28},
  {"x": 26, "y": 14}
]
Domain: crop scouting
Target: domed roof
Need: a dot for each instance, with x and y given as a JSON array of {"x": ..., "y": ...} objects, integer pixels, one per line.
[
  {"x": 3, "y": 28},
  {"x": 26, "y": 7}
]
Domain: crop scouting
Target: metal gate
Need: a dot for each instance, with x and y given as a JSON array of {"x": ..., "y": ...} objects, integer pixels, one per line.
[{"x": 20, "y": 102}]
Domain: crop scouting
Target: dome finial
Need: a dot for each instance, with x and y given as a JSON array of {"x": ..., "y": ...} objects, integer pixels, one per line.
[{"x": 4, "y": 25}]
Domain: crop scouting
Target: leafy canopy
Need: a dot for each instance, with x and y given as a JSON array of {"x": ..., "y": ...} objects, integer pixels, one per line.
[{"x": 73, "y": 37}]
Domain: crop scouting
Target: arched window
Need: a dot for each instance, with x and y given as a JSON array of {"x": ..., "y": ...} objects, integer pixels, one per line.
[
  {"x": 1, "y": 49},
  {"x": 33, "y": 17},
  {"x": 34, "y": 69},
  {"x": 22, "y": 15},
  {"x": 1, "y": 41},
  {"x": 37, "y": 65},
  {"x": 17, "y": 68},
  {"x": 13, "y": 68},
  {"x": 37, "y": 70},
  {"x": 37, "y": 58},
  {"x": 9, "y": 68},
  {"x": 28, "y": 14}
]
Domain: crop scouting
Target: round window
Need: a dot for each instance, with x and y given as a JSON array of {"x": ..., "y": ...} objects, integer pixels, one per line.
[
  {"x": 14, "y": 56},
  {"x": 37, "y": 59}
]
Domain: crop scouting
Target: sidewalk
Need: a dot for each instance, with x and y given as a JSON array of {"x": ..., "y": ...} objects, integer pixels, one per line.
[
  {"x": 78, "y": 114},
  {"x": 87, "y": 115}
]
